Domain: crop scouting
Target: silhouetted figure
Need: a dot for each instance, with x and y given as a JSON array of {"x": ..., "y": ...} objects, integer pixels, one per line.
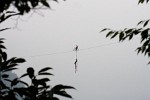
[
  {"x": 76, "y": 48},
  {"x": 76, "y": 64},
  {"x": 76, "y": 61}
]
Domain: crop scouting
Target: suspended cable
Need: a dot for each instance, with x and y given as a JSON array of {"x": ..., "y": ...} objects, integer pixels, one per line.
[
  {"x": 55, "y": 53},
  {"x": 98, "y": 46},
  {"x": 48, "y": 54}
]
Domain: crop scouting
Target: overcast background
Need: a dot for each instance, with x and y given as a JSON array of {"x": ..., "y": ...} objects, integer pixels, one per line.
[{"x": 107, "y": 70}]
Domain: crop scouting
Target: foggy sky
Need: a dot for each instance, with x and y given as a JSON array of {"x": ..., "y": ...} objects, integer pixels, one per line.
[{"x": 108, "y": 72}]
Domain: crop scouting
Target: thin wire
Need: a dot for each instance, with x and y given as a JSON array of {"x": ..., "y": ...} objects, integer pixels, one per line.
[
  {"x": 98, "y": 46},
  {"x": 48, "y": 54}
]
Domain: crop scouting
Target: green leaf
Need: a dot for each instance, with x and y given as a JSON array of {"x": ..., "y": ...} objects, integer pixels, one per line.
[{"x": 44, "y": 69}]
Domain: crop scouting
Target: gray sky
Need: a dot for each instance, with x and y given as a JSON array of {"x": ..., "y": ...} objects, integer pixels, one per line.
[{"x": 108, "y": 72}]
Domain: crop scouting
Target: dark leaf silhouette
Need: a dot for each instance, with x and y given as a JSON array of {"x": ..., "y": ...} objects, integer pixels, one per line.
[
  {"x": 45, "y": 79},
  {"x": 14, "y": 82},
  {"x": 30, "y": 72},
  {"x": 4, "y": 29},
  {"x": 45, "y": 74},
  {"x": 23, "y": 82},
  {"x": 55, "y": 98},
  {"x": 38, "y": 88},
  {"x": 44, "y": 69},
  {"x": 19, "y": 60},
  {"x": 11, "y": 65},
  {"x": 63, "y": 93},
  {"x": 121, "y": 35},
  {"x": 5, "y": 76},
  {"x": 10, "y": 69},
  {"x": 60, "y": 87},
  {"x": 44, "y": 2},
  {"x": 141, "y": 22},
  {"x": 24, "y": 91},
  {"x": 4, "y": 55},
  {"x": 60, "y": 90},
  {"x": 105, "y": 29},
  {"x": 145, "y": 23},
  {"x": 8, "y": 80},
  {"x": 109, "y": 33},
  {"x": 23, "y": 75},
  {"x": 114, "y": 35}
]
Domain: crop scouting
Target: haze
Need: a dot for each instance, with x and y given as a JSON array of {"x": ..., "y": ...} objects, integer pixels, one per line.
[{"x": 107, "y": 70}]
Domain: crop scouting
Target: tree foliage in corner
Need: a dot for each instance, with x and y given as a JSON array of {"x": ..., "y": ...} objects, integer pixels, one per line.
[
  {"x": 37, "y": 90},
  {"x": 10, "y": 8},
  {"x": 129, "y": 33}
]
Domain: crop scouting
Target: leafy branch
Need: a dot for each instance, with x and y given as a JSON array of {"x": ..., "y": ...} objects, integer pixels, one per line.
[{"x": 129, "y": 33}]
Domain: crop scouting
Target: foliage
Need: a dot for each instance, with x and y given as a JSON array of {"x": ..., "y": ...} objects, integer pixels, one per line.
[
  {"x": 129, "y": 33},
  {"x": 142, "y": 1},
  {"x": 10, "y": 8},
  {"x": 37, "y": 90}
]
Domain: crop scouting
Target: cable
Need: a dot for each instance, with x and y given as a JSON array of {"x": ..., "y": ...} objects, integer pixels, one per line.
[
  {"x": 48, "y": 54},
  {"x": 98, "y": 46}
]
